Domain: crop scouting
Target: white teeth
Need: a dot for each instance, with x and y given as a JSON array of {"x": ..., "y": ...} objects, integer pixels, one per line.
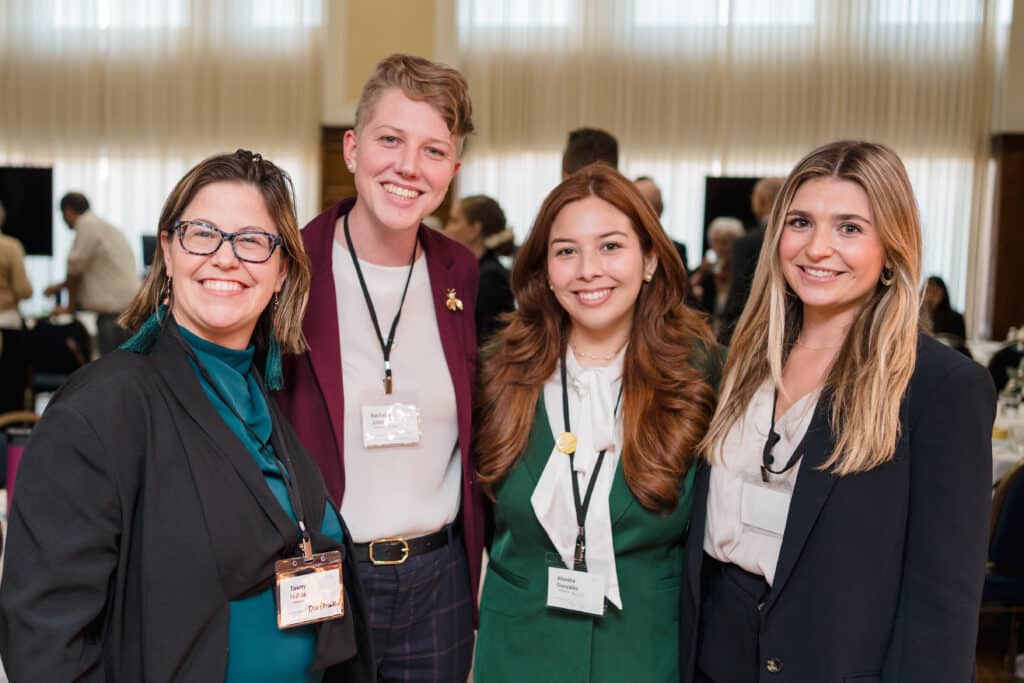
[
  {"x": 593, "y": 296},
  {"x": 819, "y": 273},
  {"x": 400, "y": 191},
  {"x": 222, "y": 285}
]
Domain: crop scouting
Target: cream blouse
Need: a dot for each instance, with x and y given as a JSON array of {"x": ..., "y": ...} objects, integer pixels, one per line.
[{"x": 727, "y": 536}]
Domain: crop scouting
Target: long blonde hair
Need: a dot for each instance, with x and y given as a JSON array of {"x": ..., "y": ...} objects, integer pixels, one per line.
[{"x": 873, "y": 367}]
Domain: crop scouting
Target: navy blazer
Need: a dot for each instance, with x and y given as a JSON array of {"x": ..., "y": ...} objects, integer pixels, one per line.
[
  {"x": 879, "y": 575},
  {"x": 313, "y": 398}
]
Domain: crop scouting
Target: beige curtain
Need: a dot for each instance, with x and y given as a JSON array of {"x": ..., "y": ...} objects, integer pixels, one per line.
[
  {"x": 735, "y": 88},
  {"x": 121, "y": 97}
]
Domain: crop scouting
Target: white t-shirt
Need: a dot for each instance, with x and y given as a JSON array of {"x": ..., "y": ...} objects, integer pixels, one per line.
[{"x": 398, "y": 491}]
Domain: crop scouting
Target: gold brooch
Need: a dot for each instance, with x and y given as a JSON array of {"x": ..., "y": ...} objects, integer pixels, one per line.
[
  {"x": 453, "y": 302},
  {"x": 566, "y": 443}
]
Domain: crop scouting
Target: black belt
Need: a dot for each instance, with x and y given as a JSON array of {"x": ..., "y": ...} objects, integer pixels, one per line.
[{"x": 387, "y": 551}]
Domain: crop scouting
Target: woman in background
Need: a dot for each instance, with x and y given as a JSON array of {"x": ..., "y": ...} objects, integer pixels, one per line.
[
  {"x": 14, "y": 287},
  {"x": 162, "y": 485},
  {"x": 939, "y": 318},
  {"x": 603, "y": 352},
  {"x": 711, "y": 281},
  {"x": 845, "y": 518},
  {"x": 479, "y": 223}
]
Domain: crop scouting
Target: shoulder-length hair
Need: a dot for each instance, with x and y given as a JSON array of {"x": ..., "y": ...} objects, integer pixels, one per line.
[
  {"x": 873, "y": 367},
  {"x": 275, "y": 186},
  {"x": 667, "y": 397}
]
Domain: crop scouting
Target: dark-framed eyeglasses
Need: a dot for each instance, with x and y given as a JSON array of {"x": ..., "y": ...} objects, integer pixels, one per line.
[{"x": 202, "y": 239}]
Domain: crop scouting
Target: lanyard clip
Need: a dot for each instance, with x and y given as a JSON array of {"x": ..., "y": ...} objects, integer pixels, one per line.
[
  {"x": 580, "y": 556},
  {"x": 306, "y": 545}
]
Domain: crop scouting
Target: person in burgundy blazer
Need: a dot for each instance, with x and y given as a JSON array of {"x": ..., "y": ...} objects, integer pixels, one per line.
[{"x": 417, "y": 516}]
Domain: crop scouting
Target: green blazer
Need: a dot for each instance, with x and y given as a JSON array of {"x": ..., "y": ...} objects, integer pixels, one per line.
[{"x": 520, "y": 639}]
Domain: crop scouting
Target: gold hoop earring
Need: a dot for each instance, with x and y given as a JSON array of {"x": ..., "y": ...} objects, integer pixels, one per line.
[{"x": 887, "y": 277}]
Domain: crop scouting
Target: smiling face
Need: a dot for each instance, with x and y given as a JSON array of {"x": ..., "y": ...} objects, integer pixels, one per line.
[
  {"x": 403, "y": 158},
  {"x": 218, "y": 297},
  {"x": 830, "y": 249},
  {"x": 596, "y": 267}
]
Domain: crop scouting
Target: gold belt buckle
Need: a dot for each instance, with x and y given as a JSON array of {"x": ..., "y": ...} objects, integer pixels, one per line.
[{"x": 382, "y": 563}]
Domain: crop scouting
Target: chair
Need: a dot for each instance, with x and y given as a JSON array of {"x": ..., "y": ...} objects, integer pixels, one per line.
[
  {"x": 1004, "y": 582},
  {"x": 15, "y": 428}
]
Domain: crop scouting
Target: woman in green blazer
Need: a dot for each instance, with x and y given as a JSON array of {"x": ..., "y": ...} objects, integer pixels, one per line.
[{"x": 592, "y": 401}]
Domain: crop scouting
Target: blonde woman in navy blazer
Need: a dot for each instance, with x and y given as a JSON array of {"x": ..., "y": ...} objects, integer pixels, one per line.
[{"x": 844, "y": 515}]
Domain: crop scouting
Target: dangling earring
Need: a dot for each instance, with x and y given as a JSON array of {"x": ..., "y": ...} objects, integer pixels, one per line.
[
  {"x": 887, "y": 276},
  {"x": 165, "y": 292},
  {"x": 272, "y": 368}
]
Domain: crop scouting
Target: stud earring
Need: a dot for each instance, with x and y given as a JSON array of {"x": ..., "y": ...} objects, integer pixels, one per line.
[{"x": 648, "y": 277}]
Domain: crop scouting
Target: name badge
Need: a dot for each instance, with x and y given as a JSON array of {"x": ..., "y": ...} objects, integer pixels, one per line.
[
  {"x": 765, "y": 506},
  {"x": 309, "y": 591},
  {"x": 575, "y": 591},
  {"x": 391, "y": 421}
]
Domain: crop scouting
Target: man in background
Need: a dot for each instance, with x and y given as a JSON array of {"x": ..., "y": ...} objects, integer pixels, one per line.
[
  {"x": 652, "y": 193},
  {"x": 101, "y": 272},
  {"x": 745, "y": 252},
  {"x": 587, "y": 145}
]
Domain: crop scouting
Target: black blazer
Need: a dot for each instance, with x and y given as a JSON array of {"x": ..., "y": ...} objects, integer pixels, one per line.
[
  {"x": 494, "y": 298},
  {"x": 139, "y": 517},
  {"x": 745, "y": 252},
  {"x": 880, "y": 574}
]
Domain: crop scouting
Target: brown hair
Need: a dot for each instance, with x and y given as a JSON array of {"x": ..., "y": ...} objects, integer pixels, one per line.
[
  {"x": 275, "y": 186},
  {"x": 667, "y": 396},
  {"x": 497, "y": 237},
  {"x": 873, "y": 367},
  {"x": 422, "y": 80},
  {"x": 585, "y": 146}
]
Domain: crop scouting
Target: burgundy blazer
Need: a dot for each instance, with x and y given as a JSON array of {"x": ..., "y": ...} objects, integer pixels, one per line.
[{"x": 313, "y": 398}]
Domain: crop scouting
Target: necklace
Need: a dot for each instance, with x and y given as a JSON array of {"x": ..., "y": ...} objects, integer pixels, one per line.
[
  {"x": 816, "y": 348},
  {"x": 589, "y": 356}
]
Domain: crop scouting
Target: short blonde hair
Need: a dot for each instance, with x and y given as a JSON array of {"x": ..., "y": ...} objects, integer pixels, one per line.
[
  {"x": 275, "y": 186},
  {"x": 419, "y": 79},
  {"x": 725, "y": 226}
]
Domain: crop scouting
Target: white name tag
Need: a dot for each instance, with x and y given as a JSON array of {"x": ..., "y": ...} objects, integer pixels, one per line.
[
  {"x": 576, "y": 591},
  {"x": 391, "y": 424},
  {"x": 308, "y": 592},
  {"x": 765, "y": 507}
]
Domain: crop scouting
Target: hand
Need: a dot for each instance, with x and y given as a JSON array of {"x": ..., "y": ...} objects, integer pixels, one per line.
[{"x": 53, "y": 289}]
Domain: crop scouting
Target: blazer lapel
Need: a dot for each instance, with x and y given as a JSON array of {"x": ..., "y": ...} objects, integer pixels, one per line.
[
  {"x": 813, "y": 487},
  {"x": 172, "y": 364},
  {"x": 621, "y": 497},
  {"x": 320, "y": 324},
  {"x": 538, "y": 448}
]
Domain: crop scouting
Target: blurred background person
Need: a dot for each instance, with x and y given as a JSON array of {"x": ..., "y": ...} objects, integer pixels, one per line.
[
  {"x": 939, "y": 318},
  {"x": 101, "y": 271},
  {"x": 652, "y": 193},
  {"x": 162, "y": 484},
  {"x": 710, "y": 282},
  {"x": 14, "y": 287},
  {"x": 745, "y": 252},
  {"x": 585, "y": 146},
  {"x": 479, "y": 223}
]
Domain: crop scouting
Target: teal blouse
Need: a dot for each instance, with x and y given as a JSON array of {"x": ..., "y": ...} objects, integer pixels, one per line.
[{"x": 257, "y": 649}]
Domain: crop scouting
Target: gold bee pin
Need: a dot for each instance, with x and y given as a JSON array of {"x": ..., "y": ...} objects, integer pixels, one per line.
[
  {"x": 566, "y": 443},
  {"x": 452, "y": 302}
]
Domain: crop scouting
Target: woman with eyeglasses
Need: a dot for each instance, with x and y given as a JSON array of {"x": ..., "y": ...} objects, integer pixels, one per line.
[
  {"x": 168, "y": 523},
  {"x": 844, "y": 517}
]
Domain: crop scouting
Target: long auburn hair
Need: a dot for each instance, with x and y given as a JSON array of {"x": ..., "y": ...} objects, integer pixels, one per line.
[
  {"x": 667, "y": 400},
  {"x": 873, "y": 367}
]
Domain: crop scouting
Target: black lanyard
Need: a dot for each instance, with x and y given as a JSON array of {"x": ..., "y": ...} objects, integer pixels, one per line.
[
  {"x": 384, "y": 346},
  {"x": 284, "y": 461},
  {"x": 580, "y": 555},
  {"x": 767, "y": 459}
]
